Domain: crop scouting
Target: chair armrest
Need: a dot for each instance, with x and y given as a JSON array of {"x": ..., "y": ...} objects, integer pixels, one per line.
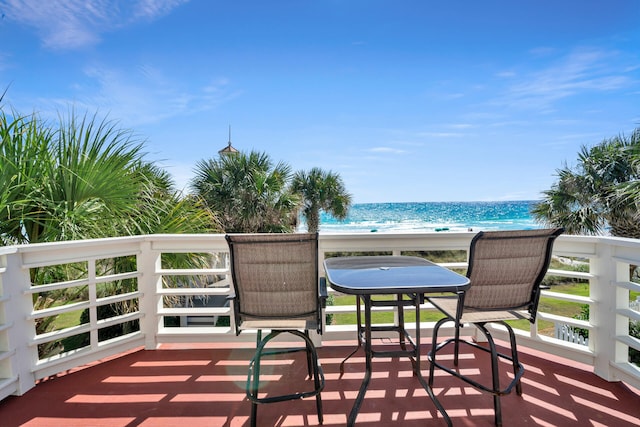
[
  {"x": 322, "y": 292},
  {"x": 232, "y": 295}
]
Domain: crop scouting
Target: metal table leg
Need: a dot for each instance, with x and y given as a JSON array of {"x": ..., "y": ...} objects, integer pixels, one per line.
[
  {"x": 359, "y": 331},
  {"x": 368, "y": 365},
  {"x": 418, "y": 370}
]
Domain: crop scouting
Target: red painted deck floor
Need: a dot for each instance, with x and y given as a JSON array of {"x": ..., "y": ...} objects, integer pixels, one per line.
[{"x": 193, "y": 386}]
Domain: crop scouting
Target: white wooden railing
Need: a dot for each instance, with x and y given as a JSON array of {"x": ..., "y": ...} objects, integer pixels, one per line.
[{"x": 608, "y": 261}]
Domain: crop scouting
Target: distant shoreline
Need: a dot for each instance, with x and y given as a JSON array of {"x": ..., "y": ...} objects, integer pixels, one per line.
[
  {"x": 452, "y": 201},
  {"x": 432, "y": 217}
]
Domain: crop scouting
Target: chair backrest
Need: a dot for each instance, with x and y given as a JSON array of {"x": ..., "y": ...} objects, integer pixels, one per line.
[
  {"x": 275, "y": 276},
  {"x": 506, "y": 268}
]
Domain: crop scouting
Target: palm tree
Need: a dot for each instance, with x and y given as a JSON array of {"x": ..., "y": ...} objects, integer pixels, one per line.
[
  {"x": 628, "y": 193},
  {"x": 24, "y": 150},
  {"x": 603, "y": 190},
  {"x": 599, "y": 192},
  {"x": 163, "y": 210},
  {"x": 92, "y": 183},
  {"x": 321, "y": 191},
  {"x": 85, "y": 179},
  {"x": 72, "y": 183},
  {"x": 248, "y": 192}
]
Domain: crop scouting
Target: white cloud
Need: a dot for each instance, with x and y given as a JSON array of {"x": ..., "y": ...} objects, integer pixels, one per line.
[
  {"x": 387, "y": 150},
  {"x": 71, "y": 24},
  {"x": 140, "y": 97},
  {"x": 584, "y": 70},
  {"x": 150, "y": 95},
  {"x": 542, "y": 51},
  {"x": 440, "y": 134},
  {"x": 506, "y": 74},
  {"x": 457, "y": 95},
  {"x": 152, "y": 9}
]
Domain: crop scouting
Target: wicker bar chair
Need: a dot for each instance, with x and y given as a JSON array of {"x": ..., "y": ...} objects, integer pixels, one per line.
[
  {"x": 276, "y": 288},
  {"x": 506, "y": 269}
]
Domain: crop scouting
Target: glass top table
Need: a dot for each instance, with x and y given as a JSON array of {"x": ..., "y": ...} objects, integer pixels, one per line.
[
  {"x": 408, "y": 279},
  {"x": 359, "y": 275}
]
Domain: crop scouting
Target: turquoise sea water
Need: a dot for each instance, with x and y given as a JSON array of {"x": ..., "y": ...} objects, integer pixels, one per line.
[{"x": 433, "y": 216}]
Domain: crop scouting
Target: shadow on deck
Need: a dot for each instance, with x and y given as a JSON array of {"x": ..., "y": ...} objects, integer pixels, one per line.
[{"x": 196, "y": 385}]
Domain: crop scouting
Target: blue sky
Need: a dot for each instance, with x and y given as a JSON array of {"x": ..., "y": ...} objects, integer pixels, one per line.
[{"x": 408, "y": 100}]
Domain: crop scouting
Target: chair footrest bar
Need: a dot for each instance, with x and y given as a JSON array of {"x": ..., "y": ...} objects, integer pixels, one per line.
[
  {"x": 253, "y": 377},
  {"x": 292, "y": 396},
  {"x": 393, "y": 353},
  {"x": 479, "y": 386},
  {"x": 273, "y": 352}
]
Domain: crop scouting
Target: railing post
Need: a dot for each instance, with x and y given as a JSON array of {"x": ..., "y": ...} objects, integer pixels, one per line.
[
  {"x": 15, "y": 282},
  {"x": 602, "y": 313},
  {"x": 149, "y": 262}
]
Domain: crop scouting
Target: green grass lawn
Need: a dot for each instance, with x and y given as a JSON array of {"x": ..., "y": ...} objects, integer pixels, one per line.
[
  {"x": 549, "y": 305},
  {"x": 386, "y": 317},
  {"x": 67, "y": 320}
]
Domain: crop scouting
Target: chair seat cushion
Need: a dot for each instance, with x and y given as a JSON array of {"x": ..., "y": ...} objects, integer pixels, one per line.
[
  {"x": 279, "y": 324},
  {"x": 449, "y": 305}
]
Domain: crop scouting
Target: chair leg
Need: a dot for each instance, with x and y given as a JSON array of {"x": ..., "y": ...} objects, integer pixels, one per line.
[
  {"x": 254, "y": 414},
  {"x": 313, "y": 368},
  {"x": 497, "y": 410},
  {"x": 317, "y": 383},
  {"x": 434, "y": 349},
  {"x": 309, "y": 352},
  {"x": 494, "y": 389},
  {"x": 458, "y": 324},
  {"x": 514, "y": 358},
  {"x": 495, "y": 375},
  {"x": 313, "y": 365},
  {"x": 255, "y": 383},
  {"x": 456, "y": 343}
]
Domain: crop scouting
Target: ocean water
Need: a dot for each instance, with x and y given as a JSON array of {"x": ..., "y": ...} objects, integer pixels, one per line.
[{"x": 432, "y": 216}]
